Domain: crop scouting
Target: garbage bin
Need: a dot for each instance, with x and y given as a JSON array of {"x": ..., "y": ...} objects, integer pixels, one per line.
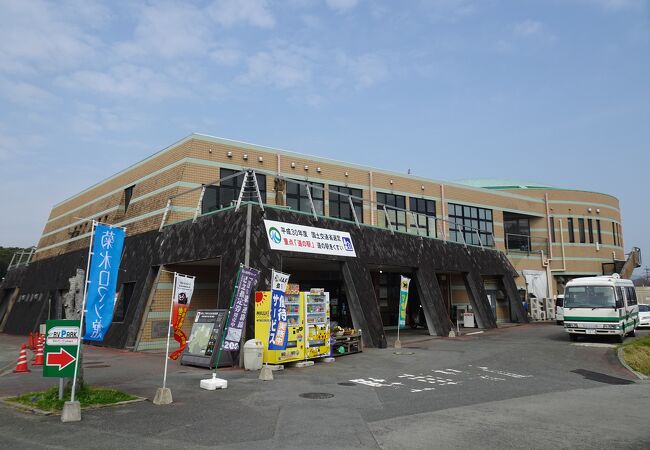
[{"x": 253, "y": 351}]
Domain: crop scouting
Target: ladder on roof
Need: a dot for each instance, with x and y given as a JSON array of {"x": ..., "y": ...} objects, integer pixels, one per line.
[{"x": 249, "y": 187}]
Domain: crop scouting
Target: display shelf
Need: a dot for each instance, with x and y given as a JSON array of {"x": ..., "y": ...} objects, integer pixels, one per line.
[{"x": 347, "y": 344}]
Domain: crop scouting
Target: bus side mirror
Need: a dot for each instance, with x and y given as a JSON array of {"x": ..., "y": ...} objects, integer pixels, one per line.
[{"x": 619, "y": 303}]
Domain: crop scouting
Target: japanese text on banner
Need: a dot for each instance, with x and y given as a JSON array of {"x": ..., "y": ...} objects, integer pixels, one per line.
[
  {"x": 183, "y": 290},
  {"x": 248, "y": 278},
  {"x": 403, "y": 300},
  {"x": 278, "y": 326},
  {"x": 102, "y": 280}
]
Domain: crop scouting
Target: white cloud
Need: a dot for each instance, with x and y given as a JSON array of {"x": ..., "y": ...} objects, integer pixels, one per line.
[
  {"x": 168, "y": 30},
  {"x": 124, "y": 80},
  {"x": 617, "y": 5},
  {"x": 342, "y": 6},
  {"x": 232, "y": 12},
  {"x": 37, "y": 36},
  {"x": 365, "y": 70},
  {"x": 25, "y": 94},
  {"x": 226, "y": 55},
  {"x": 528, "y": 28},
  {"x": 282, "y": 66},
  {"x": 91, "y": 120}
]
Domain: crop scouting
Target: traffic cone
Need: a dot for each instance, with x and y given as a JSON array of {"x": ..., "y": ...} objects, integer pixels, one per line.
[
  {"x": 21, "y": 366},
  {"x": 30, "y": 342},
  {"x": 39, "y": 360}
]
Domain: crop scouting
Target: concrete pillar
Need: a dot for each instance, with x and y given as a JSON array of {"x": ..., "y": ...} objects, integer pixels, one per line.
[
  {"x": 363, "y": 304},
  {"x": 478, "y": 299},
  {"x": 433, "y": 304},
  {"x": 512, "y": 294}
]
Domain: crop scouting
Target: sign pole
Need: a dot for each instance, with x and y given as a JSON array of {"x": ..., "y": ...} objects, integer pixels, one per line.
[
  {"x": 73, "y": 411},
  {"x": 164, "y": 394}
]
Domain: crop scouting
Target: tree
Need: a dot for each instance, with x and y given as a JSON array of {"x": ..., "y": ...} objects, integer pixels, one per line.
[{"x": 6, "y": 253}]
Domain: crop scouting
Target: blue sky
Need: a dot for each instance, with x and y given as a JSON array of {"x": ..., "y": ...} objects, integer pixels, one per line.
[{"x": 556, "y": 91}]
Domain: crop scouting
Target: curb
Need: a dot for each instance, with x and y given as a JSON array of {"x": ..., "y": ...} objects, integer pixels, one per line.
[
  {"x": 40, "y": 412},
  {"x": 619, "y": 354}
]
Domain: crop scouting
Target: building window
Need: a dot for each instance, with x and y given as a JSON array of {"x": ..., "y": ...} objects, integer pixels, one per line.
[
  {"x": 614, "y": 233},
  {"x": 123, "y": 300},
  {"x": 552, "y": 221},
  {"x": 517, "y": 231},
  {"x": 128, "y": 193},
  {"x": 465, "y": 221},
  {"x": 298, "y": 199},
  {"x": 340, "y": 204},
  {"x": 396, "y": 216},
  {"x": 600, "y": 235},
  {"x": 569, "y": 224},
  {"x": 224, "y": 195},
  {"x": 425, "y": 215},
  {"x": 590, "y": 228},
  {"x": 581, "y": 230}
]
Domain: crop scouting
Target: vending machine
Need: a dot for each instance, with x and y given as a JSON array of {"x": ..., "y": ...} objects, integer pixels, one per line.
[
  {"x": 295, "y": 350},
  {"x": 308, "y": 321},
  {"x": 317, "y": 323}
]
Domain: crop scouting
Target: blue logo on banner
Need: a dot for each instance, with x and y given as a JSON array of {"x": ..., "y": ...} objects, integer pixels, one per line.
[
  {"x": 347, "y": 243},
  {"x": 102, "y": 280}
]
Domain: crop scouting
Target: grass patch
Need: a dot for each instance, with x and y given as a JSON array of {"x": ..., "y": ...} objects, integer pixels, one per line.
[
  {"x": 87, "y": 396},
  {"x": 637, "y": 354}
]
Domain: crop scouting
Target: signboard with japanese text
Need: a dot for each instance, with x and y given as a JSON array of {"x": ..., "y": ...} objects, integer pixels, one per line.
[
  {"x": 182, "y": 296},
  {"x": 102, "y": 280},
  {"x": 61, "y": 340},
  {"x": 403, "y": 299},
  {"x": 300, "y": 238},
  {"x": 278, "y": 330},
  {"x": 205, "y": 338},
  {"x": 248, "y": 278}
]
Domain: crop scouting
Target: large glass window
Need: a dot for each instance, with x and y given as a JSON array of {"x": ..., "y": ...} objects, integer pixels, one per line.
[
  {"x": 465, "y": 221},
  {"x": 581, "y": 230},
  {"x": 614, "y": 233},
  {"x": 569, "y": 224},
  {"x": 392, "y": 201},
  {"x": 590, "y": 228},
  {"x": 600, "y": 234},
  {"x": 552, "y": 220},
  {"x": 340, "y": 204},
  {"x": 517, "y": 230},
  {"x": 298, "y": 199},
  {"x": 425, "y": 215},
  {"x": 589, "y": 297},
  {"x": 224, "y": 195}
]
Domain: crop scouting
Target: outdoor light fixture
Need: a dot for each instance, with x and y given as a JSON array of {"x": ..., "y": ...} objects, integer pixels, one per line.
[
  {"x": 229, "y": 154},
  {"x": 293, "y": 165},
  {"x": 318, "y": 169},
  {"x": 422, "y": 187},
  {"x": 245, "y": 156},
  {"x": 588, "y": 209},
  {"x": 597, "y": 210},
  {"x": 346, "y": 174},
  {"x": 260, "y": 159},
  {"x": 306, "y": 167},
  {"x": 391, "y": 181}
]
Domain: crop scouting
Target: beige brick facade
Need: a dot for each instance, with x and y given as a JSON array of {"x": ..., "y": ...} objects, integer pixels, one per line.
[{"x": 196, "y": 160}]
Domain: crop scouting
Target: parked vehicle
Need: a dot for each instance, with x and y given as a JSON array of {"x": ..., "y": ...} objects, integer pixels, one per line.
[
  {"x": 604, "y": 305},
  {"x": 559, "y": 309},
  {"x": 644, "y": 316}
]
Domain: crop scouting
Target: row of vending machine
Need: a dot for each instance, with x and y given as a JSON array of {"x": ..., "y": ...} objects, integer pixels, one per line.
[{"x": 308, "y": 320}]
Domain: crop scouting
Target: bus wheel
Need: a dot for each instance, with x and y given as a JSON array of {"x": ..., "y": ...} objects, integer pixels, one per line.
[
  {"x": 631, "y": 333},
  {"x": 573, "y": 337},
  {"x": 620, "y": 338}
]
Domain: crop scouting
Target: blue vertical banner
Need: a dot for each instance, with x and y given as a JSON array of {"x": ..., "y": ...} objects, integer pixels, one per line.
[
  {"x": 278, "y": 330},
  {"x": 102, "y": 280}
]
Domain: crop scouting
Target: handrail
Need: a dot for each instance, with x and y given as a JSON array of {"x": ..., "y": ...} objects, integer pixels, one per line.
[{"x": 461, "y": 229}]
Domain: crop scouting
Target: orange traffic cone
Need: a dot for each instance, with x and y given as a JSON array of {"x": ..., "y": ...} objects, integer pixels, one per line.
[
  {"x": 21, "y": 366},
  {"x": 38, "y": 360},
  {"x": 30, "y": 341}
]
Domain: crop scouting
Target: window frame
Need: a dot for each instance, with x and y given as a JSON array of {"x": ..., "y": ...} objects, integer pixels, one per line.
[
  {"x": 393, "y": 209},
  {"x": 460, "y": 214},
  {"x": 423, "y": 208},
  {"x": 570, "y": 228},
  {"x": 301, "y": 198},
  {"x": 338, "y": 198},
  {"x": 581, "y": 230}
]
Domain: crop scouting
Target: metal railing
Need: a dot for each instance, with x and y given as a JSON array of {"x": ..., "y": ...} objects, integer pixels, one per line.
[
  {"x": 392, "y": 218},
  {"x": 21, "y": 258},
  {"x": 523, "y": 243}
]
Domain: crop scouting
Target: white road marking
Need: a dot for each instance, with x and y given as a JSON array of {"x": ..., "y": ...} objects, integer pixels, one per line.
[{"x": 593, "y": 344}]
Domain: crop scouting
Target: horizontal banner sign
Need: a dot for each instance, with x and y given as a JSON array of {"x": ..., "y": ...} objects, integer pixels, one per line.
[{"x": 299, "y": 238}]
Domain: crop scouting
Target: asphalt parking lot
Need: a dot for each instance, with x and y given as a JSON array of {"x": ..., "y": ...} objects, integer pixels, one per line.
[{"x": 519, "y": 387}]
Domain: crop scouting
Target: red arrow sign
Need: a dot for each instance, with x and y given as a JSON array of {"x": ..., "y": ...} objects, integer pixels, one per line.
[{"x": 62, "y": 359}]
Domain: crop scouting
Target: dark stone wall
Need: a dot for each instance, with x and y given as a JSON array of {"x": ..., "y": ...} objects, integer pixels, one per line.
[{"x": 223, "y": 235}]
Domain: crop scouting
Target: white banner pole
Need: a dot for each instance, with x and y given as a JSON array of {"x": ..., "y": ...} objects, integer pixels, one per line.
[
  {"x": 83, "y": 309},
  {"x": 169, "y": 328}
]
